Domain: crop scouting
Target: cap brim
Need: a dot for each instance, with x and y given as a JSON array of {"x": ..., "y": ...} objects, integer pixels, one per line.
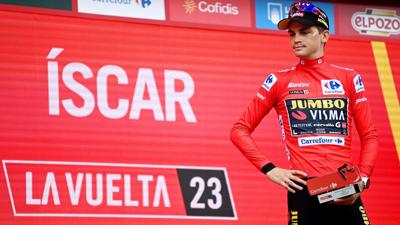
[{"x": 284, "y": 24}]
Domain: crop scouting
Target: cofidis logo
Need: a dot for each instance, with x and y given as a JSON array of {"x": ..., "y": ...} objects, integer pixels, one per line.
[
  {"x": 220, "y": 12},
  {"x": 269, "y": 13},
  {"x": 214, "y": 8},
  {"x": 143, "y": 9}
]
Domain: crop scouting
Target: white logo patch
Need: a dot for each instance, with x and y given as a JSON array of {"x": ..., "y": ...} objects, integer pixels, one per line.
[
  {"x": 269, "y": 82},
  {"x": 321, "y": 140},
  {"x": 332, "y": 87},
  {"x": 260, "y": 96},
  {"x": 358, "y": 84},
  {"x": 361, "y": 100},
  {"x": 298, "y": 85}
]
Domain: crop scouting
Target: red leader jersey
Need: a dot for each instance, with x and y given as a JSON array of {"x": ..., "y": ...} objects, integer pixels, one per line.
[{"x": 316, "y": 103}]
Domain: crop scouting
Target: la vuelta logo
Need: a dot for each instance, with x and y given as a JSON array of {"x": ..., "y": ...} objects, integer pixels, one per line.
[
  {"x": 88, "y": 189},
  {"x": 145, "y": 92},
  {"x": 378, "y": 22}
]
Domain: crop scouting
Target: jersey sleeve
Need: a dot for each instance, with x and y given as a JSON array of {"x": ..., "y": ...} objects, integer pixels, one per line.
[
  {"x": 241, "y": 131},
  {"x": 364, "y": 125}
]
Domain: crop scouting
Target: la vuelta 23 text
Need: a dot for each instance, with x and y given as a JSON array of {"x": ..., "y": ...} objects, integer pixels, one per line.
[{"x": 132, "y": 106}]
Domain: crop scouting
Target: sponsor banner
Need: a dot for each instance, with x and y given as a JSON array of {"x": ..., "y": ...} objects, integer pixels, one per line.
[
  {"x": 50, "y": 4},
  {"x": 270, "y": 12},
  {"x": 143, "y": 9},
  {"x": 321, "y": 140},
  {"x": 318, "y": 116},
  {"x": 79, "y": 189},
  {"x": 368, "y": 21},
  {"x": 217, "y": 12}
]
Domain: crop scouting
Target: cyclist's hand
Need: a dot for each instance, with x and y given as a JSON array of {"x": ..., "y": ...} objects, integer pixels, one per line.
[
  {"x": 286, "y": 178},
  {"x": 350, "y": 199}
]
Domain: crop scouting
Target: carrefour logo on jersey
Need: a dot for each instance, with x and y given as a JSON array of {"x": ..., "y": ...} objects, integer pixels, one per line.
[
  {"x": 332, "y": 87},
  {"x": 143, "y": 9},
  {"x": 321, "y": 140},
  {"x": 270, "y": 12}
]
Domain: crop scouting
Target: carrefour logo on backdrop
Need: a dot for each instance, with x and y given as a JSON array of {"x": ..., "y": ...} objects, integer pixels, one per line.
[
  {"x": 144, "y": 3},
  {"x": 269, "y": 13},
  {"x": 143, "y": 9}
]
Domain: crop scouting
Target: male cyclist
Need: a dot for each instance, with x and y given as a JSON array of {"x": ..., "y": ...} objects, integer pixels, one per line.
[{"x": 316, "y": 103}]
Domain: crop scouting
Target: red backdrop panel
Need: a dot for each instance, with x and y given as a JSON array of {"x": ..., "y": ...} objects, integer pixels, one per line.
[{"x": 226, "y": 69}]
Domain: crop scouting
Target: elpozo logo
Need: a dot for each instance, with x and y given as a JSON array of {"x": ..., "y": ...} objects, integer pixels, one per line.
[
  {"x": 376, "y": 22},
  {"x": 216, "y": 7}
]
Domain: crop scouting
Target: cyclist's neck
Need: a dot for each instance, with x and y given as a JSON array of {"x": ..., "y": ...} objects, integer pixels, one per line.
[{"x": 312, "y": 62}]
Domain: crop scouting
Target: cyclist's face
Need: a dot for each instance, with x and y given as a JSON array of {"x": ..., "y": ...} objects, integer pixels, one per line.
[{"x": 307, "y": 42}]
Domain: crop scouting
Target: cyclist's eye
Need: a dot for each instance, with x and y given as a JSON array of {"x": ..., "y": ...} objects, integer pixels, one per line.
[{"x": 304, "y": 32}]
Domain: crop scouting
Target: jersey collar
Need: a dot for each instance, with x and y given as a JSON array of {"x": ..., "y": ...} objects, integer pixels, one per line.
[{"x": 313, "y": 62}]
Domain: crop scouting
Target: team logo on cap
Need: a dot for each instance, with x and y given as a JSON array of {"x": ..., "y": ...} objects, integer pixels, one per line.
[
  {"x": 298, "y": 14},
  {"x": 332, "y": 87}
]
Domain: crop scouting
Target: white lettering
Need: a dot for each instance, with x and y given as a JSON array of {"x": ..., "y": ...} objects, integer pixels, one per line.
[
  {"x": 182, "y": 98},
  {"x": 127, "y": 189},
  {"x": 102, "y": 95},
  {"x": 50, "y": 185},
  {"x": 146, "y": 80},
  {"x": 227, "y": 9},
  {"x": 111, "y": 189},
  {"x": 76, "y": 87},
  {"x": 52, "y": 71},
  {"x": 161, "y": 190},
  {"x": 28, "y": 190},
  {"x": 145, "y": 179},
  {"x": 74, "y": 193},
  {"x": 114, "y": 186},
  {"x": 99, "y": 189},
  {"x": 145, "y": 94}
]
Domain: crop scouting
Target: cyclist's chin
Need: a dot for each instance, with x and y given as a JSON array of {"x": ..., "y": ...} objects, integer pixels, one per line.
[{"x": 300, "y": 54}]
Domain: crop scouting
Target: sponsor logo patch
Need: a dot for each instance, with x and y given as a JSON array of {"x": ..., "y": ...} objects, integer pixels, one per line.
[
  {"x": 321, "y": 140},
  {"x": 332, "y": 87},
  {"x": 358, "y": 84},
  {"x": 260, "y": 96},
  {"x": 361, "y": 100},
  {"x": 269, "y": 82},
  {"x": 298, "y": 85},
  {"x": 318, "y": 116},
  {"x": 299, "y": 92}
]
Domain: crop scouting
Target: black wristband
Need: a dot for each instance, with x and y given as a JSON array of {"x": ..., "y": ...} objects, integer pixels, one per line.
[{"x": 267, "y": 167}]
